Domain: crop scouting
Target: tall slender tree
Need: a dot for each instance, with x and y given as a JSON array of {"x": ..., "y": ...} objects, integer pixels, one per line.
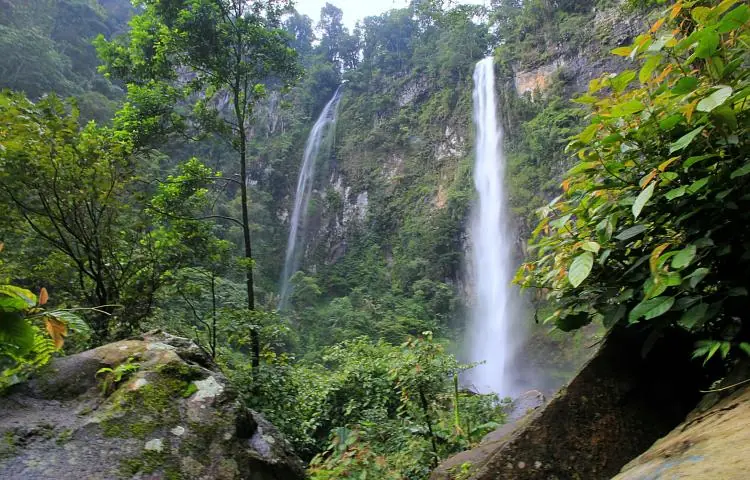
[{"x": 203, "y": 65}]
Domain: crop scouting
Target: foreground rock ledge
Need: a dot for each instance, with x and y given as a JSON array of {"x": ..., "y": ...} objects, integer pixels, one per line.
[
  {"x": 173, "y": 417},
  {"x": 612, "y": 411},
  {"x": 709, "y": 444}
]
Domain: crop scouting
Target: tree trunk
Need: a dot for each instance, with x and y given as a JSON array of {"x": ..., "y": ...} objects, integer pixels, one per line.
[{"x": 254, "y": 336}]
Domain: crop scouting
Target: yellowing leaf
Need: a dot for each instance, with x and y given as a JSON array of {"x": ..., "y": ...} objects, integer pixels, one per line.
[
  {"x": 663, "y": 166},
  {"x": 43, "y": 296},
  {"x": 676, "y": 9},
  {"x": 653, "y": 260},
  {"x": 57, "y": 330},
  {"x": 622, "y": 51},
  {"x": 657, "y": 25},
  {"x": 647, "y": 179}
]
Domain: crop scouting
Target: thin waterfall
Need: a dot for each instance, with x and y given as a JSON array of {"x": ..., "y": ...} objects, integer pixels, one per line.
[
  {"x": 320, "y": 129},
  {"x": 490, "y": 337}
]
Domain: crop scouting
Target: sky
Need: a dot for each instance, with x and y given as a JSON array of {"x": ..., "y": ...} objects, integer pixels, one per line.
[{"x": 355, "y": 9}]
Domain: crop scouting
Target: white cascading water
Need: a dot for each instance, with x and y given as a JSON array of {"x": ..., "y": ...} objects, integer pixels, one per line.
[
  {"x": 305, "y": 181},
  {"x": 490, "y": 338}
]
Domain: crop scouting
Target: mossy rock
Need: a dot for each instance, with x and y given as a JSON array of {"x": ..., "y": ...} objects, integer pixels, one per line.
[{"x": 171, "y": 415}]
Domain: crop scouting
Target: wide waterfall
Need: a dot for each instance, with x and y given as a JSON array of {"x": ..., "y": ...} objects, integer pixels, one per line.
[
  {"x": 315, "y": 140},
  {"x": 495, "y": 310}
]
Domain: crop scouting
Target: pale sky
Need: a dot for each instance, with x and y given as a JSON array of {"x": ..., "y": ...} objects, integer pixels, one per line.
[{"x": 355, "y": 9}]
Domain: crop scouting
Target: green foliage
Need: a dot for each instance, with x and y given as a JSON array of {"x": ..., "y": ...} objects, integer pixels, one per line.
[
  {"x": 23, "y": 346},
  {"x": 110, "y": 377},
  {"x": 385, "y": 409},
  {"x": 659, "y": 190},
  {"x": 70, "y": 188}
]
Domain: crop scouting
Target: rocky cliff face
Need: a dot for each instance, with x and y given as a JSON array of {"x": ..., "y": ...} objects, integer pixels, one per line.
[{"x": 153, "y": 407}]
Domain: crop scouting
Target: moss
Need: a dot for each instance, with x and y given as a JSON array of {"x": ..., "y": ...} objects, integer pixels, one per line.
[
  {"x": 138, "y": 413},
  {"x": 9, "y": 445},
  {"x": 64, "y": 436},
  {"x": 189, "y": 390},
  {"x": 150, "y": 462}
]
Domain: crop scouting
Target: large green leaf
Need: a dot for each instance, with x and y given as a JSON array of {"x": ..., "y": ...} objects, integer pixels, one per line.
[
  {"x": 643, "y": 199},
  {"x": 684, "y": 257},
  {"x": 631, "y": 232},
  {"x": 74, "y": 322},
  {"x": 741, "y": 172},
  {"x": 12, "y": 304},
  {"x": 685, "y": 140},
  {"x": 696, "y": 277},
  {"x": 651, "y": 308},
  {"x": 16, "y": 334},
  {"x": 685, "y": 85},
  {"x": 694, "y": 316},
  {"x": 580, "y": 268},
  {"x": 734, "y": 19},
  {"x": 718, "y": 97},
  {"x": 18, "y": 292},
  {"x": 628, "y": 108}
]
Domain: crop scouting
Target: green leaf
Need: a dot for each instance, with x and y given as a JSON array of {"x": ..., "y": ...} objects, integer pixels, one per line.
[
  {"x": 651, "y": 308},
  {"x": 671, "y": 121},
  {"x": 580, "y": 268},
  {"x": 734, "y": 19},
  {"x": 685, "y": 85},
  {"x": 693, "y": 160},
  {"x": 697, "y": 185},
  {"x": 12, "y": 304},
  {"x": 18, "y": 292},
  {"x": 675, "y": 193},
  {"x": 745, "y": 347},
  {"x": 630, "y": 232},
  {"x": 16, "y": 333},
  {"x": 74, "y": 322},
  {"x": 685, "y": 140},
  {"x": 693, "y": 317},
  {"x": 643, "y": 199},
  {"x": 621, "y": 81},
  {"x": 718, "y": 97},
  {"x": 591, "y": 247},
  {"x": 741, "y": 172},
  {"x": 648, "y": 68},
  {"x": 625, "y": 109},
  {"x": 684, "y": 257}
]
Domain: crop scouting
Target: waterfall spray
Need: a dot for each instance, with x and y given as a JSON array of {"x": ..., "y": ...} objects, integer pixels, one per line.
[
  {"x": 491, "y": 338},
  {"x": 322, "y": 126}
]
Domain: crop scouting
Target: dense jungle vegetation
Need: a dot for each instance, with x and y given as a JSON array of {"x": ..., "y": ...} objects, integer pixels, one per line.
[{"x": 149, "y": 153}]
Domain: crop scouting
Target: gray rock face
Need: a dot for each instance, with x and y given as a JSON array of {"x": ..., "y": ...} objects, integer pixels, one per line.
[
  {"x": 617, "y": 406},
  {"x": 171, "y": 415},
  {"x": 713, "y": 443}
]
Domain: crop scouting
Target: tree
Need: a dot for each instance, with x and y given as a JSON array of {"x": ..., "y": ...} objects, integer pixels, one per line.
[
  {"x": 652, "y": 227},
  {"x": 71, "y": 185},
  {"x": 220, "y": 55}
]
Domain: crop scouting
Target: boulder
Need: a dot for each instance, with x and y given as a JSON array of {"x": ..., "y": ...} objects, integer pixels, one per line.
[
  {"x": 154, "y": 407},
  {"x": 709, "y": 444},
  {"x": 614, "y": 409}
]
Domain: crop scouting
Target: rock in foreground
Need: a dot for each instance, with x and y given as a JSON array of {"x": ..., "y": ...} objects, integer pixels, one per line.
[
  {"x": 709, "y": 444},
  {"x": 171, "y": 415},
  {"x": 613, "y": 410}
]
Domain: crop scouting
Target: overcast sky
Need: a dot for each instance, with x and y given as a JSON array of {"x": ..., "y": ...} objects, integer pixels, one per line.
[{"x": 355, "y": 9}]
